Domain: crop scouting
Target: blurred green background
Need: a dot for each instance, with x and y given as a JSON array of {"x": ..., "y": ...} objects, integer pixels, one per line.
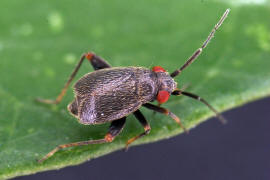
[{"x": 41, "y": 41}]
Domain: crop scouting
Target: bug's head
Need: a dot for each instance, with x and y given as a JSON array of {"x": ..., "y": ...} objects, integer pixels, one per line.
[{"x": 166, "y": 84}]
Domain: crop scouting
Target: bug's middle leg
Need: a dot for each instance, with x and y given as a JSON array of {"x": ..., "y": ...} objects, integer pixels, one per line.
[
  {"x": 115, "y": 128},
  {"x": 145, "y": 125},
  {"x": 166, "y": 112}
]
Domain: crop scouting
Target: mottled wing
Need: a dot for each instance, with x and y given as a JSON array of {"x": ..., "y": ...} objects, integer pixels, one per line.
[
  {"x": 115, "y": 104},
  {"x": 103, "y": 80},
  {"x": 107, "y": 95}
]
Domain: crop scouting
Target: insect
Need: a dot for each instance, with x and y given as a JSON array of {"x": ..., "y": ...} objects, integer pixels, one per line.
[{"x": 110, "y": 94}]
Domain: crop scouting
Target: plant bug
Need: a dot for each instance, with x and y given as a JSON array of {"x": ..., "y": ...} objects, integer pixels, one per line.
[{"x": 110, "y": 94}]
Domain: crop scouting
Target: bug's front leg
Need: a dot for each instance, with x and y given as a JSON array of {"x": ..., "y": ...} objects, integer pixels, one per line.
[
  {"x": 115, "y": 128},
  {"x": 145, "y": 125},
  {"x": 198, "y": 98},
  {"x": 97, "y": 63}
]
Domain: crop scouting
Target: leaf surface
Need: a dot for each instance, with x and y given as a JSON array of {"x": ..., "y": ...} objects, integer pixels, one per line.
[{"x": 40, "y": 45}]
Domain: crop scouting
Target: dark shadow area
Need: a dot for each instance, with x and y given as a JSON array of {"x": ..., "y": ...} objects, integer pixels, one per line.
[{"x": 238, "y": 150}]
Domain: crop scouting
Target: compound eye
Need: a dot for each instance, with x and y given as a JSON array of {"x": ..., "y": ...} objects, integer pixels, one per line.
[
  {"x": 158, "y": 69},
  {"x": 163, "y": 96}
]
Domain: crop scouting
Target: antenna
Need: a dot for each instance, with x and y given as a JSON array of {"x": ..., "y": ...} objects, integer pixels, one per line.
[{"x": 199, "y": 51}]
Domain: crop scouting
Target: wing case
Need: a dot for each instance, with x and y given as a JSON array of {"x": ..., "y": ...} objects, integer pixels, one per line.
[{"x": 112, "y": 93}]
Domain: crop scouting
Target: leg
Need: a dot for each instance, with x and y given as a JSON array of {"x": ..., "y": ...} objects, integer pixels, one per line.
[
  {"x": 145, "y": 125},
  {"x": 194, "y": 96},
  {"x": 96, "y": 62},
  {"x": 115, "y": 128},
  {"x": 198, "y": 52},
  {"x": 166, "y": 112}
]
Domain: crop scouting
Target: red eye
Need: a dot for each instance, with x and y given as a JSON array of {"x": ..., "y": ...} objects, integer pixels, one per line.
[
  {"x": 158, "y": 69},
  {"x": 163, "y": 96}
]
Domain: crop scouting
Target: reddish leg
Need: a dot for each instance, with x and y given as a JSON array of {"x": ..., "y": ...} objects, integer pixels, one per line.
[
  {"x": 115, "y": 128},
  {"x": 166, "y": 112},
  {"x": 145, "y": 125}
]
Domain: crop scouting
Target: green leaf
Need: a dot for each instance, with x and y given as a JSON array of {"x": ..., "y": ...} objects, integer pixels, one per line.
[{"x": 41, "y": 41}]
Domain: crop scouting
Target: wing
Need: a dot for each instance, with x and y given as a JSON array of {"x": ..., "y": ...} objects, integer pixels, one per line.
[
  {"x": 104, "y": 108},
  {"x": 103, "y": 80},
  {"x": 112, "y": 93},
  {"x": 107, "y": 95}
]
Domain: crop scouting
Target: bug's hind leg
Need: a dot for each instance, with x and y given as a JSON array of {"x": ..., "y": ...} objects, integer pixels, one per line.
[
  {"x": 97, "y": 63},
  {"x": 145, "y": 125},
  {"x": 166, "y": 112},
  {"x": 115, "y": 128}
]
